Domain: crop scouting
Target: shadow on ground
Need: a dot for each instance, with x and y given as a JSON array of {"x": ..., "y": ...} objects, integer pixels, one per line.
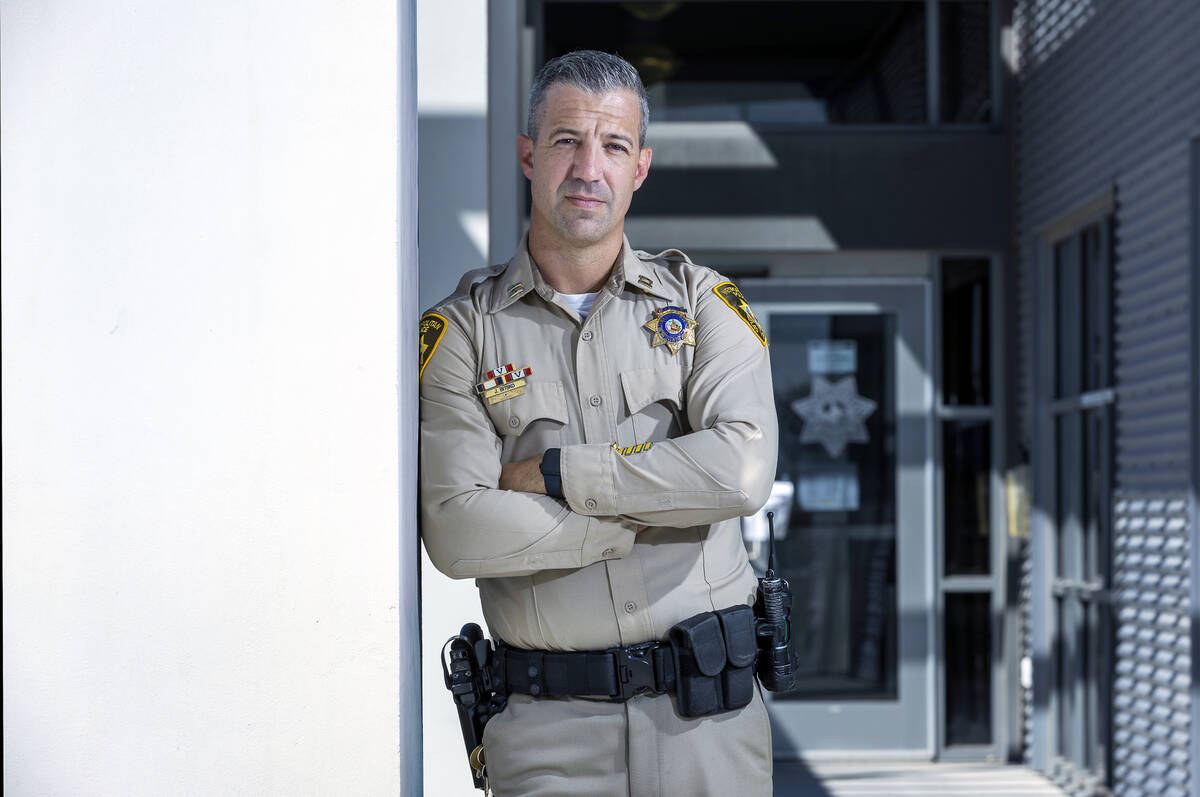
[{"x": 795, "y": 779}]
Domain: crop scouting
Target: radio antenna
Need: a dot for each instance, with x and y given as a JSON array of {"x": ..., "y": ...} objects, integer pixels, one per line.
[{"x": 771, "y": 549}]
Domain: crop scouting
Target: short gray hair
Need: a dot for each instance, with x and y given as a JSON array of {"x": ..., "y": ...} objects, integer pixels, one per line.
[{"x": 592, "y": 71}]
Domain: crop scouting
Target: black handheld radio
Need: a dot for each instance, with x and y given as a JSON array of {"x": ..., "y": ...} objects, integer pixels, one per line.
[{"x": 773, "y": 613}]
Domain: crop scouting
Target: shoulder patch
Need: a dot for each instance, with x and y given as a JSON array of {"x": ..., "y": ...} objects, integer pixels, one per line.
[
  {"x": 433, "y": 326},
  {"x": 730, "y": 294}
]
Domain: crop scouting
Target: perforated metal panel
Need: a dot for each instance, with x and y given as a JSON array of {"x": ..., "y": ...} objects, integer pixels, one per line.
[{"x": 1151, "y": 694}]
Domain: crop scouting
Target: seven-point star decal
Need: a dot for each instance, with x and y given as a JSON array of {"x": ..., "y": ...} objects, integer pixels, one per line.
[{"x": 833, "y": 414}]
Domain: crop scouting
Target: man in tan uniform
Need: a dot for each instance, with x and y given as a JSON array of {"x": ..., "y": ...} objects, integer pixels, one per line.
[{"x": 636, "y": 388}]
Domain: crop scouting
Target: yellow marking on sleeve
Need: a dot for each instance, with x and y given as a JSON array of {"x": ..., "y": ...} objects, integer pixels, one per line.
[{"x": 433, "y": 326}]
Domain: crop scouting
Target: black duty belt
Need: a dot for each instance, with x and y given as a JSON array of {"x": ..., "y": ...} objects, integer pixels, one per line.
[{"x": 618, "y": 673}]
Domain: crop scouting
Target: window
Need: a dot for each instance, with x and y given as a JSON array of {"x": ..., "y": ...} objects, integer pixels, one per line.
[
  {"x": 965, "y": 61},
  {"x": 1079, "y": 414},
  {"x": 966, "y": 342},
  {"x": 969, "y": 579},
  {"x": 814, "y": 62}
]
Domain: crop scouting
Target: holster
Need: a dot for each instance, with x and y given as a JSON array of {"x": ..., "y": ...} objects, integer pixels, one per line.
[{"x": 714, "y": 661}]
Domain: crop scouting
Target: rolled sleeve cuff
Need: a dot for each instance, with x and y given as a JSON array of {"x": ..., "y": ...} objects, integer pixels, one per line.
[{"x": 587, "y": 479}]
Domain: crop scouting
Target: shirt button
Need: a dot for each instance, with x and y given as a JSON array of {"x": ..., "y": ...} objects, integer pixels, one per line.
[
  {"x": 630, "y": 607},
  {"x": 589, "y": 503},
  {"x": 514, "y": 422},
  {"x": 587, "y": 335},
  {"x": 595, "y": 401},
  {"x": 607, "y": 552}
]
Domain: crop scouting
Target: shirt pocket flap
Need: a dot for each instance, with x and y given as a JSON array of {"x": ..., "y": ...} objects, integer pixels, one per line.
[
  {"x": 538, "y": 401},
  {"x": 646, "y": 386}
]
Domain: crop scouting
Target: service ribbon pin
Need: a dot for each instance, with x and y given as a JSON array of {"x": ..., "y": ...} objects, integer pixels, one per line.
[
  {"x": 502, "y": 375},
  {"x": 503, "y": 383}
]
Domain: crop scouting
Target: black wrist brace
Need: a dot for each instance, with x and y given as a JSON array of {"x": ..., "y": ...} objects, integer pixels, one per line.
[{"x": 551, "y": 472}]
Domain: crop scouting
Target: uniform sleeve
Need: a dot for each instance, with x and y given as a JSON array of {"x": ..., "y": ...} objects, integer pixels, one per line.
[
  {"x": 722, "y": 469},
  {"x": 471, "y": 528}
]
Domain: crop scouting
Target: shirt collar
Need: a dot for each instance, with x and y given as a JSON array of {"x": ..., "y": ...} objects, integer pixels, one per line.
[
  {"x": 521, "y": 276},
  {"x": 638, "y": 274},
  {"x": 518, "y": 278}
]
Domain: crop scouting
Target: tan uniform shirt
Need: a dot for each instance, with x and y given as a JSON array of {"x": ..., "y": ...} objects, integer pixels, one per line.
[{"x": 575, "y": 574}]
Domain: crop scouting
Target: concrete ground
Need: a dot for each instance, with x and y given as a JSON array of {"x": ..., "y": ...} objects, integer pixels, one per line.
[{"x": 900, "y": 779}]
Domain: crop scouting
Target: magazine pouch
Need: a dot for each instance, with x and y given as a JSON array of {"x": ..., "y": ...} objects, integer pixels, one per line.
[
  {"x": 699, "y": 648},
  {"x": 714, "y": 661},
  {"x": 741, "y": 651}
]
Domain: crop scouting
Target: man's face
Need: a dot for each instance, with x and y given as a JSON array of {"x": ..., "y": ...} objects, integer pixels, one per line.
[{"x": 585, "y": 165}]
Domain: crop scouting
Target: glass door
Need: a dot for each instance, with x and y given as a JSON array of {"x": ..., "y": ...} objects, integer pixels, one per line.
[
  {"x": 853, "y": 394},
  {"x": 1082, "y": 417}
]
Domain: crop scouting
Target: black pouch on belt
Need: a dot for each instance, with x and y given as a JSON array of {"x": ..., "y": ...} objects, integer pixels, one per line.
[
  {"x": 714, "y": 658},
  {"x": 741, "y": 651}
]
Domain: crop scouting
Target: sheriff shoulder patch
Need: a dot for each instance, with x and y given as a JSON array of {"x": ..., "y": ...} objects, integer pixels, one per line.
[
  {"x": 433, "y": 326},
  {"x": 730, "y": 294}
]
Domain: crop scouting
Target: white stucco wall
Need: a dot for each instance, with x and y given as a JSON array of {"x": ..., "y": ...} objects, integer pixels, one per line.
[
  {"x": 202, "y": 432},
  {"x": 452, "y": 105}
]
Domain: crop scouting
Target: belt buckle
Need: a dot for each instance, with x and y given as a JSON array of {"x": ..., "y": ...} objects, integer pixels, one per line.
[{"x": 635, "y": 669}]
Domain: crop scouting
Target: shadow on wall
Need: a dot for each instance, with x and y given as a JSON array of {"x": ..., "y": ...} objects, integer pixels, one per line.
[
  {"x": 870, "y": 189},
  {"x": 452, "y": 190}
]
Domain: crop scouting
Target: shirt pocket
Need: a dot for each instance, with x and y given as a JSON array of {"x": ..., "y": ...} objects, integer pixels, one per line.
[
  {"x": 530, "y": 423},
  {"x": 654, "y": 400}
]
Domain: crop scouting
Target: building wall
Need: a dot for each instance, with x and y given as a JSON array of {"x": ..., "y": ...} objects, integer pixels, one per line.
[
  {"x": 209, "y": 531},
  {"x": 1108, "y": 101},
  {"x": 452, "y": 62},
  {"x": 879, "y": 189},
  {"x": 1113, "y": 106}
]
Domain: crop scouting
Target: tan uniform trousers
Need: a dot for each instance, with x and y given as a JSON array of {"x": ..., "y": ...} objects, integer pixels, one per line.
[{"x": 639, "y": 748}]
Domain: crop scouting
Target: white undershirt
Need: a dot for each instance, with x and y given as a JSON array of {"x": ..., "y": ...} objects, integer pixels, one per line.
[{"x": 580, "y": 302}]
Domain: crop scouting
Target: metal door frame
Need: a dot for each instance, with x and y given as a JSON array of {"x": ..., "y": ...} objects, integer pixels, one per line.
[
  {"x": 911, "y": 300},
  {"x": 1004, "y": 622},
  {"x": 1046, "y": 409}
]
